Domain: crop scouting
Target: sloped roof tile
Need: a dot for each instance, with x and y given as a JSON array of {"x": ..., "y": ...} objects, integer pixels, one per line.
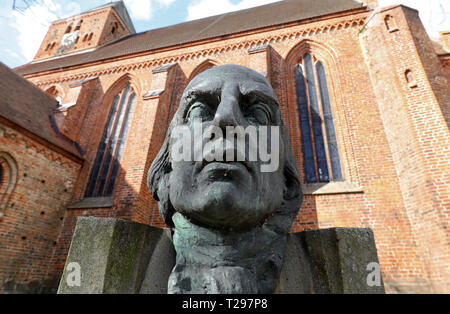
[{"x": 25, "y": 105}]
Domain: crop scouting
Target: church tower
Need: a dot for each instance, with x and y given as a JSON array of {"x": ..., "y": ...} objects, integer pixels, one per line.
[{"x": 86, "y": 31}]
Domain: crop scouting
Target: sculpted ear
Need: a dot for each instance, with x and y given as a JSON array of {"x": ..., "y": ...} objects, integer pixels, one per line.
[
  {"x": 281, "y": 222},
  {"x": 292, "y": 183}
]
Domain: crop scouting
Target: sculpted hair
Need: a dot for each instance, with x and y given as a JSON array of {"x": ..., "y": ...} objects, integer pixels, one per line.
[{"x": 158, "y": 179}]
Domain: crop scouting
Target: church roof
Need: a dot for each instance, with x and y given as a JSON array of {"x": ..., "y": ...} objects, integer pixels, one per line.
[
  {"x": 273, "y": 14},
  {"x": 25, "y": 105}
]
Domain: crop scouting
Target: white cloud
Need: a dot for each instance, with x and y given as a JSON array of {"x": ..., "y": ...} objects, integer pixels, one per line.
[
  {"x": 204, "y": 8},
  {"x": 32, "y": 25},
  {"x": 165, "y": 3},
  {"x": 144, "y": 9},
  {"x": 140, "y": 9},
  {"x": 14, "y": 55}
]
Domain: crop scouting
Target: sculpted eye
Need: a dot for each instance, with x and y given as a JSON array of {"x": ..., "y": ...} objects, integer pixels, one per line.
[
  {"x": 200, "y": 111},
  {"x": 258, "y": 115}
]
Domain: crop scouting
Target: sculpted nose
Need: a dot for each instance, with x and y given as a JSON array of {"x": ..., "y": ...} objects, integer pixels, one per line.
[{"x": 228, "y": 112}]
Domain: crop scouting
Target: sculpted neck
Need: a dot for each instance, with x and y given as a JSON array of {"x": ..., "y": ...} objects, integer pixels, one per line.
[{"x": 219, "y": 261}]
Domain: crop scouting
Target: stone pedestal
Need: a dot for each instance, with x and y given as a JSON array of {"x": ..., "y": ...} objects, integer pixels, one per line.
[
  {"x": 329, "y": 261},
  {"x": 117, "y": 256}
]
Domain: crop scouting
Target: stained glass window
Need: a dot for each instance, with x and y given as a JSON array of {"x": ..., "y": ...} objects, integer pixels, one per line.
[
  {"x": 110, "y": 148},
  {"x": 319, "y": 144}
]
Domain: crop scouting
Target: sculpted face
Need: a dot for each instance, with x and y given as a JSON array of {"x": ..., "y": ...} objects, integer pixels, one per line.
[
  {"x": 228, "y": 194},
  {"x": 224, "y": 193}
]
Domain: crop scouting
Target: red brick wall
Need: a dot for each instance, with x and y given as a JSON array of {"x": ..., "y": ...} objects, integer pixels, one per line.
[
  {"x": 430, "y": 115},
  {"x": 34, "y": 213},
  {"x": 390, "y": 136},
  {"x": 76, "y": 115},
  {"x": 417, "y": 132}
]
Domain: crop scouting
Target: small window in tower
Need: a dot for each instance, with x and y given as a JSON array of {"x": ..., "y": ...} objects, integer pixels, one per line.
[
  {"x": 48, "y": 47},
  {"x": 77, "y": 28},
  {"x": 410, "y": 78},
  {"x": 114, "y": 27},
  {"x": 90, "y": 36},
  {"x": 68, "y": 29},
  {"x": 85, "y": 37},
  {"x": 391, "y": 25}
]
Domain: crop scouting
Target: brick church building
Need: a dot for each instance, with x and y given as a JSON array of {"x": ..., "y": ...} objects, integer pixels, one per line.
[{"x": 364, "y": 93}]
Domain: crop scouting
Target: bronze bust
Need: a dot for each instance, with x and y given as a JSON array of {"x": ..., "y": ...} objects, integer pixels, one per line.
[{"x": 230, "y": 212}]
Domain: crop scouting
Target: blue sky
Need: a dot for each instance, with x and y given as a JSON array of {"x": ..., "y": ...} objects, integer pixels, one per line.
[{"x": 22, "y": 30}]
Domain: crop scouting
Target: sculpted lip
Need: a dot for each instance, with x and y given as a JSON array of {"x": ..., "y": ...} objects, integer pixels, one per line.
[
  {"x": 224, "y": 165},
  {"x": 217, "y": 165}
]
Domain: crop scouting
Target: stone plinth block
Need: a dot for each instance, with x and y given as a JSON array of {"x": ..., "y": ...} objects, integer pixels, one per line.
[
  {"x": 331, "y": 261},
  {"x": 117, "y": 256}
]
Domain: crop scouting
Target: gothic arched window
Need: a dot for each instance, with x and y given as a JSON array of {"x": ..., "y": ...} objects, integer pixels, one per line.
[
  {"x": 114, "y": 27},
  {"x": 110, "y": 148},
  {"x": 319, "y": 144},
  {"x": 8, "y": 180},
  {"x": 206, "y": 65}
]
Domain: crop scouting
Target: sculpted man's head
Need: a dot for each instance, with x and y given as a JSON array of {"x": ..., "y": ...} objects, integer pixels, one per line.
[
  {"x": 233, "y": 197},
  {"x": 228, "y": 194}
]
